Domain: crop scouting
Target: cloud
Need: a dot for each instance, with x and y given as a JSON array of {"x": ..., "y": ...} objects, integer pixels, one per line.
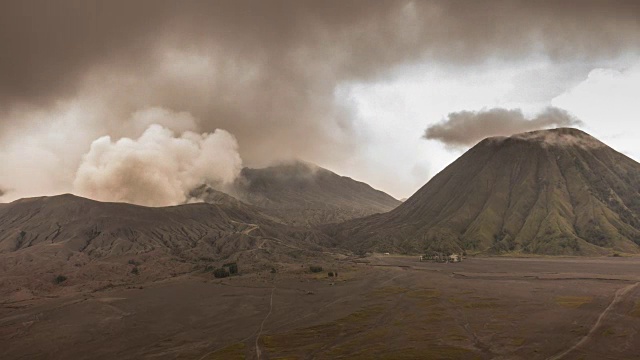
[
  {"x": 266, "y": 71},
  {"x": 466, "y": 128},
  {"x": 607, "y": 100},
  {"x": 157, "y": 169},
  {"x": 63, "y": 41}
]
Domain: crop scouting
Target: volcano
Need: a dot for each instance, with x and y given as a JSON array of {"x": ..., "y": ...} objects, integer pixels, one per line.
[
  {"x": 556, "y": 192},
  {"x": 304, "y": 194}
]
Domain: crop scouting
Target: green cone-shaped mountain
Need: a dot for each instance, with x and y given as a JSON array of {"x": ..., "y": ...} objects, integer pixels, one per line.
[{"x": 555, "y": 192}]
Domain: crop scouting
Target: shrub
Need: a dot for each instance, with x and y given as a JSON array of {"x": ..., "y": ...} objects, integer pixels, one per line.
[
  {"x": 330, "y": 274},
  {"x": 233, "y": 268},
  {"x": 135, "y": 270},
  {"x": 315, "y": 269},
  {"x": 220, "y": 273},
  {"x": 133, "y": 262},
  {"x": 60, "y": 279},
  {"x": 616, "y": 255},
  {"x": 273, "y": 270}
]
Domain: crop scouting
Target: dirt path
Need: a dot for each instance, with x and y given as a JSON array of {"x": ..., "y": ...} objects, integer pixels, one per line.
[
  {"x": 619, "y": 296},
  {"x": 250, "y": 229},
  {"x": 258, "y": 351}
]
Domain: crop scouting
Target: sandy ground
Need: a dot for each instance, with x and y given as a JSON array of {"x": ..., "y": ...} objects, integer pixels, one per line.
[{"x": 388, "y": 307}]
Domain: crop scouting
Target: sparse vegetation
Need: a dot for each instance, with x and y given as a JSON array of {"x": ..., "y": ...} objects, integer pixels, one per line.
[
  {"x": 60, "y": 279},
  {"x": 573, "y": 302},
  {"x": 134, "y": 262},
  {"x": 636, "y": 310},
  {"x": 315, "y": 269},
  {"x": 330, "y": 274},
  {"x": 220, "y": 273},
  {"x": 233, "y": 268},
  {"x": 135, "y": 271},
  {"x": 235, "y": 351}
]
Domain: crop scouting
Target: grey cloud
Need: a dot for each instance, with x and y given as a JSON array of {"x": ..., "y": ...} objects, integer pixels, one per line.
[
  {"x": 466, "y": 128},
  {"x": 49, "y": 46},
  {"x": 266, "y": 71}
]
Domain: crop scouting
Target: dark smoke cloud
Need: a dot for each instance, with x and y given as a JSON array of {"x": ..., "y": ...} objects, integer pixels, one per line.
[
  {"x": 266, "y": 71},
  {"x": 48, "y": 46},
  {"x": 466, "y": 128}
]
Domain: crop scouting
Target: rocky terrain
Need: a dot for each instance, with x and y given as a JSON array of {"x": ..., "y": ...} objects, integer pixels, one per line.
[{"x": 95, "y": 244}]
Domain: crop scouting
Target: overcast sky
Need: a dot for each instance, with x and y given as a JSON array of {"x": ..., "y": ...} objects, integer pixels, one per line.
[{"x": 127, "y": 100}]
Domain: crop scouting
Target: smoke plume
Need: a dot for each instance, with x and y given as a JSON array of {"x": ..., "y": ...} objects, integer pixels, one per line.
[
  {"x": 266, "y": 71},
  {"x": 466, "y": 128},
  {"x": 157, "y": 169}
]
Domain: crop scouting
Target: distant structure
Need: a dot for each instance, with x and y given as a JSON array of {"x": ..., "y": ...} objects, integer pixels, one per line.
[{"x": 441, "y": 257}]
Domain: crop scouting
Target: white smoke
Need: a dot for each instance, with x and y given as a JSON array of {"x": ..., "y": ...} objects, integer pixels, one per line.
[{"x": 157, "y": 169}]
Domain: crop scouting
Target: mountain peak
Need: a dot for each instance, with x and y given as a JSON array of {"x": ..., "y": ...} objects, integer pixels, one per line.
[{"x": 559, "y": 137}]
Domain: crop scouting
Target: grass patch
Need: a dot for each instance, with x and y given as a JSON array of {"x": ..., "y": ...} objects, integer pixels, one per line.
[
  {"x": 231, "y": 352},
  {"x": 388, "y": 291},
  {"x": 481, "y": 305},
  {"x": 308, "y": 340},
  {"x": 370, "y": 343},
  {"x": 431, "y": 352},
  {"x": 573, "y": 302},
  {"x": 424, "y": 294},
  {"x": 475, "y": 303},
  {"x": 636, "y": 310}
]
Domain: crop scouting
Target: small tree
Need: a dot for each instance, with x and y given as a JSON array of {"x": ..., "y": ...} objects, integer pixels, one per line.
[
  {"x": 220, "y": 273},
  {"x": 60, "y": 279},
  {"x": 233, "y": 268}
]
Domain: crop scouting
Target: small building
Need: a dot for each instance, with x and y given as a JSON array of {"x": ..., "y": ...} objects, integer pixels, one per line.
[{"x": 441, "y": 257}]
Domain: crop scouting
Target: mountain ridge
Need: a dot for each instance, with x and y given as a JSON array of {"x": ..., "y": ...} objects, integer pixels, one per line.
[{"x": 303, "y": 194}]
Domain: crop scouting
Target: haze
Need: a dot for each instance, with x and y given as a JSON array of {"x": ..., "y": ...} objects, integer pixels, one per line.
[{"x": 386, "y": 92}]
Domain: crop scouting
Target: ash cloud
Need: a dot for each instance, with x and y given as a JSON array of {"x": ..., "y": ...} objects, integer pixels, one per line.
[
  {"x": 63, "y": 41},
  {"x": 266, "y": 71},
  {"x": 466, "y": 128},
  {"x": 157, "y": 169}
]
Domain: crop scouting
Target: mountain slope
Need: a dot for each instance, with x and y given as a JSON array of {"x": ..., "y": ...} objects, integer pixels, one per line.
[
  {"x": 304, "y": 194},
  {"x": 66, "y": 234},
  {"x": 555, "y": 191}
]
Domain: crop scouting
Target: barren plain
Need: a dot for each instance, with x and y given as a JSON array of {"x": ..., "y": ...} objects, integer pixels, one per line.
[{"x": 386, "y": 307}]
